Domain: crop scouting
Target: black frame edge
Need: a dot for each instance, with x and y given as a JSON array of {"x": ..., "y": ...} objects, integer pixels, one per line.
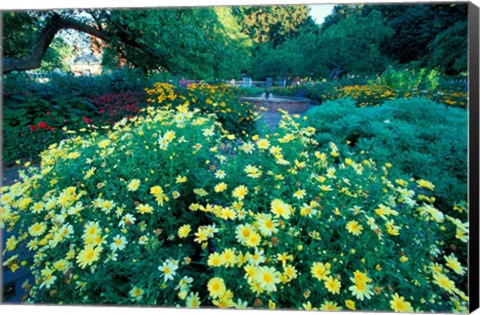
[{"x": 473, "y": 164}]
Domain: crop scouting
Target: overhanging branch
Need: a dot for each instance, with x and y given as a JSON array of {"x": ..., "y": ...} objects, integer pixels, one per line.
[{"x": 57, "y": 23}]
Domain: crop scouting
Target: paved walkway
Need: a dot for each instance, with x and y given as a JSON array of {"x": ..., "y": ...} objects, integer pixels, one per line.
[
  {"x": 12, "y": 291},
  {"x": 269, "y": 121},
  {"x": 9, "y": 175}
]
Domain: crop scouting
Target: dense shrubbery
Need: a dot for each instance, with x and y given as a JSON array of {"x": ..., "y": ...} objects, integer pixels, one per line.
[
  {"x": 390, "y": 85},
  {"x": 235, "y": 116},
  {"x": 33, "y": 117},
  {"x": 419, "y": 137},
  {"x": 168, "y": 209}
]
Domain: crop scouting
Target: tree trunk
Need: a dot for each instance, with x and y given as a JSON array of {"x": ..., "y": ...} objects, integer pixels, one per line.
[{"x": 57, "y": 23}]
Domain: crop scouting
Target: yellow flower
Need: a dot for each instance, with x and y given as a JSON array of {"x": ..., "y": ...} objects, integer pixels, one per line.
[
  {"x": 308, "y": 306},
  {"x": 88, "y": 255},
  {"x": 425, "y": 184},
  {"x": 240, "y": 192},
  {"x": 242, "y": 232},
  {"x": 156, "y": 190},
  {"x": 201, "y": 235},
  {"x": 454, "y": 264},
  {"x": 392, "y": 229},
  {"x": 37, "y": 229},
  {"x": 181, "y": 179},
  {"x": 200, "y": 191},
  {"x": 271, "y": 305},
  {"x": 104, "y": 143},
  {"x": 73, "y": 155},
  {"x": 215, "y": 260},
  {"x": 350, "y": 304},
  {"x": 398, "y": 304},
  {"x": 361, "y": 290},
  {"x": 144, "y": 208},
  {"x": 263, "y": 144},
  {"x": 332, "y": 285},
  {"x": 216, "y": 287},
  {"x": 284, "y": 257},
  {"x": 136, "y": 293},
  {"x": 229, "y": 257},
  {"x": 353, "y": 227},
  {"x": 92, "y": 229},
  {"x": 90, "y": 173},
  {"x": 444, "y": 282},
  {"x": 228, "y": 214},
  {"x": 169, "y": 135},
  {"x": 290, "y": 272},
  {"x": 267, "y": 225},
  {"x": 280, "y": 209},
  {"x": 299, "y": 194},
  {"x": 330, "y": 306},
  {"x": 184, "y": 230},
  {"x": 220, "y": 187},
  {"x": 267, "y": 278},
  {"x": 253, "y": 239},
  {"x": 193, "y": 300},
  {"x": 320, "y": 270},
  {"x": 133, "y": 185}
]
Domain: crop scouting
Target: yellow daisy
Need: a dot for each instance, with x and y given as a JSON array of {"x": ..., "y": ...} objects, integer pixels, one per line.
[
  {"x": 398, "y": 304},
  {"x": 88, "y": 255}
]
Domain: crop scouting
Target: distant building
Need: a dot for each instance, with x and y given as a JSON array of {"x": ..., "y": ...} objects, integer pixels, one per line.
[{"x": 87, "y": 64}]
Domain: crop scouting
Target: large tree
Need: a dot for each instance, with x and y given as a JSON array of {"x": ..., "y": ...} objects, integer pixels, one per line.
[
  {"x": 272, "y": 24},
  {"x": 433, "y": 35},
  {"x": 187, "y": 41},
  {"x": 352, "y": 46}
]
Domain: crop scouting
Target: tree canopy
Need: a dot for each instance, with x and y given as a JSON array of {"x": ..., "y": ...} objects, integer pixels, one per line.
[{"x": 223, "y": 42}]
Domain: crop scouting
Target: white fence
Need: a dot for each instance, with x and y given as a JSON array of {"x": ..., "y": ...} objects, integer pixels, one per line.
[{"x": 248, "y": 82}]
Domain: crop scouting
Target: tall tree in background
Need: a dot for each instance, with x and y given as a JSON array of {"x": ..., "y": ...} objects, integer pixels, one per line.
[
  {"x": 352, "y": 45},
  {"x": 272, "y": 24},
  {"x": 433, "y": 35}
]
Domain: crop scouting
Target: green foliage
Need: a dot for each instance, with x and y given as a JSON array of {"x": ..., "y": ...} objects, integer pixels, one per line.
[
  {"x": 448, "y": 51},
  {"x": 410, "y": 81},
  {"x": 433, "y": 34},
  {"x": 182, "y": 43},
  {"x": 158, "y": 210},
  {"x": 353, "y": 46},
  {"x": 420, "y": 138},
  {"x": 271, "y": 24},
  {"x": 19, "y": 33},
  {"x": 64, "y": 101},
  {"x": 57, "y": 55}
]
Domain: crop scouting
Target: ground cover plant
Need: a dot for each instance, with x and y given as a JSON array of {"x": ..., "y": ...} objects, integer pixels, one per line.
[
  {"x": 420, "y": 137},
  {"x": 171, "y": 209}
]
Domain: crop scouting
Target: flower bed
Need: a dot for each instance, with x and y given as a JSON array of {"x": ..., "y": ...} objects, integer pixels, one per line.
[
  {"x": 170, "y": 209},
  {"x": 235, "y": 116}
]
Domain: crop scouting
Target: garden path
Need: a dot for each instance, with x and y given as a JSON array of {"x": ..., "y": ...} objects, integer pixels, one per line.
[
  {"x": 12, "y": 282},
  {"x": 271, "y": 119}
]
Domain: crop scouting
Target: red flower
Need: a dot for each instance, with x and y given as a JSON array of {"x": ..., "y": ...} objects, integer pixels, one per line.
[
  {"x": 33, "y": 128},
  {"x": 50, "y": 128},
  {"x": 42, "y": 125}
]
